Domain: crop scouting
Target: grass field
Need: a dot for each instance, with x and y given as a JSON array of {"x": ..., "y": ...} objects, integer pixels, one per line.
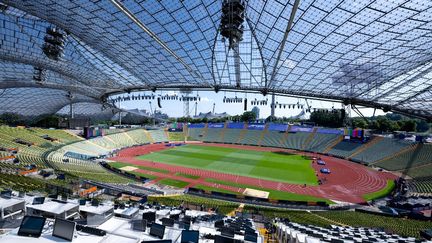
[
  {"x": 381, "y": 193},
  {"x": 186, "y": 175},
  {"x": 174, "y": 183},
  {"x": 274, "y": 194},
  {"x": 264, "y": 165}
]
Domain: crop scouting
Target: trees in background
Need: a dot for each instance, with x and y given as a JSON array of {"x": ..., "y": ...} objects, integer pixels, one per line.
[
  {"x": 248, "y": 116},
  {"x": 388, "y": 123},
  {"x": 12, "y": 119},
  {"x": 47, "y": 121},
  {"x": 133, "y": 119},
  {"x": 333, "y": 118}
]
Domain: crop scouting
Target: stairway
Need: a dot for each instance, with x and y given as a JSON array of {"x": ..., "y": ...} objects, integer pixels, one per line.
[
  {"x": 150, "y": 138},
  {"x": 205, "y": 131},
  {"x": 242, "y": 133},
  {"x": 365, "y": 146},
  {"x": 309, "y": 138},
  {"x": 284, "y": 138},
  {"x": 222, "y": 135},
  {"x": 263, "y": 133},
  {"x": 185, "y": 132},
  {"x": 333, "y": 144},
  {"x": 166, "y": 133},
  {"x": 130, "y": 138}
]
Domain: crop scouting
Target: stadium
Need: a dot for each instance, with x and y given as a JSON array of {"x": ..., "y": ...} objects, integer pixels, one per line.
[{"x": 215, "y": 121}]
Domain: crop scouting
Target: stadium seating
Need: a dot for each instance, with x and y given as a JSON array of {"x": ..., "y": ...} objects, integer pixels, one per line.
[
  {"x": 62, "y": 136},
  {"x": 295, "y": 140},
  {"x": 214, "y": 135},
  {"x": 272, "y": 138},
  {"x": 139, "y": 136},
  {"x": 121, "y": 139},
  {"x": 22, "y": 133},
  {"x": 421, "y": 171},
  {"x": 294, "y": 232},
  {"x": 232, "y": 135},
  {"x": 176, "y": 136},
  {"x": 158, "y": 135},
  {"x": 345, "y": 148},
  {"x": 384, "y": 148},
  {"x": 20, "y": 183},
  {"x": 320, "y": 142},
  {"x": 421, "y": 154},
  {"x": 105, "y": 142},
  {"x": 421, "y": 186},
  {"x": 196, "y": 133},
  {"x": 251, "y": 137}
]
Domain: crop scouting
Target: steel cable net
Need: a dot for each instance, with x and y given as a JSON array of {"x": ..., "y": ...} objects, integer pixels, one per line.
[{"x": 375, "y": 53}]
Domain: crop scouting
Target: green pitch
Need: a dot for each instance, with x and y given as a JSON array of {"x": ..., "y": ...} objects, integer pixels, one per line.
[{"x": 288, "y": 168}]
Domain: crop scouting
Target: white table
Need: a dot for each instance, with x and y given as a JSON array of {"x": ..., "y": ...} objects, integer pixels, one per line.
[
  {"x": 96, "y": 215},
  {"x": 79, "y": 237},
  {"x": 122, "y": 227},
  {"x": 53, "y": 208},
  {"x": 127, "y": 212},
  {"x": 14, "y": 206}
]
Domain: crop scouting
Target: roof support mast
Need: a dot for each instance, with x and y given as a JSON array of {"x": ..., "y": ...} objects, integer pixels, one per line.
[{"x": 282, "y": 45}]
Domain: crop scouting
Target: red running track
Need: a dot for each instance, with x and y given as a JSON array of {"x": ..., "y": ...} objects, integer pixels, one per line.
[{"x": 347, "y": 182}]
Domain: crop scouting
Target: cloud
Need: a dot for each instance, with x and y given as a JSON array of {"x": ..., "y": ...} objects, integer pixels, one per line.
[{"x": 206, "y": 99}]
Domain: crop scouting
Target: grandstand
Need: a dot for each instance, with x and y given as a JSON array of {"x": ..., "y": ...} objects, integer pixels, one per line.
[
  {"x": 345, "y": 148},
  {"x": 418, "y": 155},
  {"x": 389, "y": 153},
  {"x": 382, "y": 149}
]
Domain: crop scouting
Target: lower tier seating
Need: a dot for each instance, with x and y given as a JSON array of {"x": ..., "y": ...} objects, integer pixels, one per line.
[
  {"x": 383, "y": 148},
  {"x": 418, "y": 156},
  {"x": 345, "y": 148},
  {"x": 214, "y": 135},
  {"x": 251, "y": 137}
]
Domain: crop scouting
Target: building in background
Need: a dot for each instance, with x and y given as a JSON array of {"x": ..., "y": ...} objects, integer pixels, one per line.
[{"x": 256, "y": 110}]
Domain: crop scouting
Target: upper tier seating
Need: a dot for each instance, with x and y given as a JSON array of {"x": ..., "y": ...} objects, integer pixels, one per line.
[{"x": 383, "y": 148}]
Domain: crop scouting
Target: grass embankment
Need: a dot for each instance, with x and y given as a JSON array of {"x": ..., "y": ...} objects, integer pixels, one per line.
[{"x": 381, "y": 193}]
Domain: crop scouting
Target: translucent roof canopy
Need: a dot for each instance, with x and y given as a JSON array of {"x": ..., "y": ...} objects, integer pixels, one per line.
[{"x": 372, "y": 53}]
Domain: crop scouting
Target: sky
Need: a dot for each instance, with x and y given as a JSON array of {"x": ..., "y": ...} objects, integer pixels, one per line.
[{"x": 174, "y": 108}]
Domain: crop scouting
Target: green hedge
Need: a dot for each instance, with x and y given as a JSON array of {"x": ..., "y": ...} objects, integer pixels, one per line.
[{"x": 224, "y": 207}]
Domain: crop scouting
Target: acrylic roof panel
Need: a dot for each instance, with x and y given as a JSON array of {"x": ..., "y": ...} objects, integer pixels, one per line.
[{"x": 375, "y": 53}]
